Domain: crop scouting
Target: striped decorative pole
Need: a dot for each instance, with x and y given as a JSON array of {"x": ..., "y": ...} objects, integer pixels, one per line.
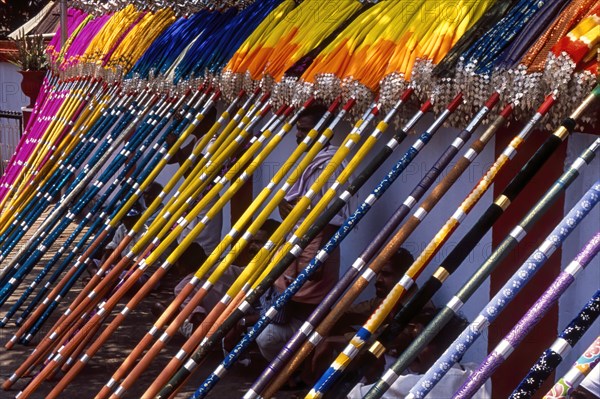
[
  {"x": 551, "y": 358},
  {"x": 86, "y": 296},
  {"x": 332, "y": 244},
  {"x": 469, "y": 288},
  {"x": 242, "y": 242},
  {"x": 40, "y": 314},
  {"x": 494, "y": 307},
  {"x": 28, "y": 210},
  {"x": 106, "y": 307},
  {"x": 50, "y": 164},
  {"x": 105, "y": 150},
  {"x": 159, "y": 161},
  {"x": 96, "y": 213},
  {"x": 513, "y": 187},
  {"x": 101, "y": 155},
  {"x": 96, "y": 101},
  {"x": 582, "y": 367},
  {"x": 378, "y": 317},
  {"x": 332, "y": 313},
  {"x": 537, "y": 311},
  {"x": 143, "y": 131}
]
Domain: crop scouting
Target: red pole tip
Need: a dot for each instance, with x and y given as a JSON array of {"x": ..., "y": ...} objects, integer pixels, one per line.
[
  {"x": 266, "y": 110},
  {"x": 427, "y": 106},
  {"x": 288, "y": 111},
  {"x": 265, "y": 97},
  {"x": 548, "y": 102},
  {"x": 280, "y": 110},
  {"x": 493, "y": 100},
  {"x": 257, "y": 90},
  {"x": 335, "y": 104},
  {"x": 241, "y": 93},
  {"x": 308, "y": 102},
  {"x": 349, "y": 104},
  {"x": 455, "y": 103},
  {"x": 217, "y": 94},
  {"x": 407, "y": 93},
  {"x": 508, "y": 109}
]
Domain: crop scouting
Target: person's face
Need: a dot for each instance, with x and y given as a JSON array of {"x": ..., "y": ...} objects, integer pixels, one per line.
[
  {"x": 257, "y": 242},
  {"x": 386, "y": 279},
  {"x": 303, "y": 126}
]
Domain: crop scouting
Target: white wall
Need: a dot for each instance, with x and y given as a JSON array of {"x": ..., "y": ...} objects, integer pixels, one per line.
[
  {"x": 11, "y": 96},
  {"x": 11, "y": 99}
]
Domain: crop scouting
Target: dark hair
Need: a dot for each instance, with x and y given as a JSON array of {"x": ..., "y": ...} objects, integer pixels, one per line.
[
  {"x": 270, "y": 225},
  {"x": 193, "y": 257},
  {"x": 451, "y": 330},
  {"x": 401, "y": 260},
  {"x": 314, "y": 112},
  {"x": 154, "y": 188}
]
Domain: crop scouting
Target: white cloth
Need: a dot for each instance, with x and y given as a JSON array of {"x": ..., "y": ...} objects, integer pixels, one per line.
[
  {"x": 592, "y": 381},
  {"x": 275, "y": 336},
  {"x": 451, "y": 382}
]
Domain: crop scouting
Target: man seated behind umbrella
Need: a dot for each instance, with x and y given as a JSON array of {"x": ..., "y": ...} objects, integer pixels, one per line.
[
  {"x": 272, "y": 339},
  {"x": 449, "y": 384},
  {"x": 194, "y": 257},
  {"x": 127, "y": 223}
]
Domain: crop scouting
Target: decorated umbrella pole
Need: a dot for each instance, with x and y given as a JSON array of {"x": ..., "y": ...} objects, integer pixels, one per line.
[{"x": 537, "y": 311}]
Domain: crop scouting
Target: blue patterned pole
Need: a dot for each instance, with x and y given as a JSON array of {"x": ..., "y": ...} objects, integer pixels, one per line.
[
  {"x": 552, "y": 356},
  {"x": 539, "y": 309},
  {"x": 496, "y": 305}
]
